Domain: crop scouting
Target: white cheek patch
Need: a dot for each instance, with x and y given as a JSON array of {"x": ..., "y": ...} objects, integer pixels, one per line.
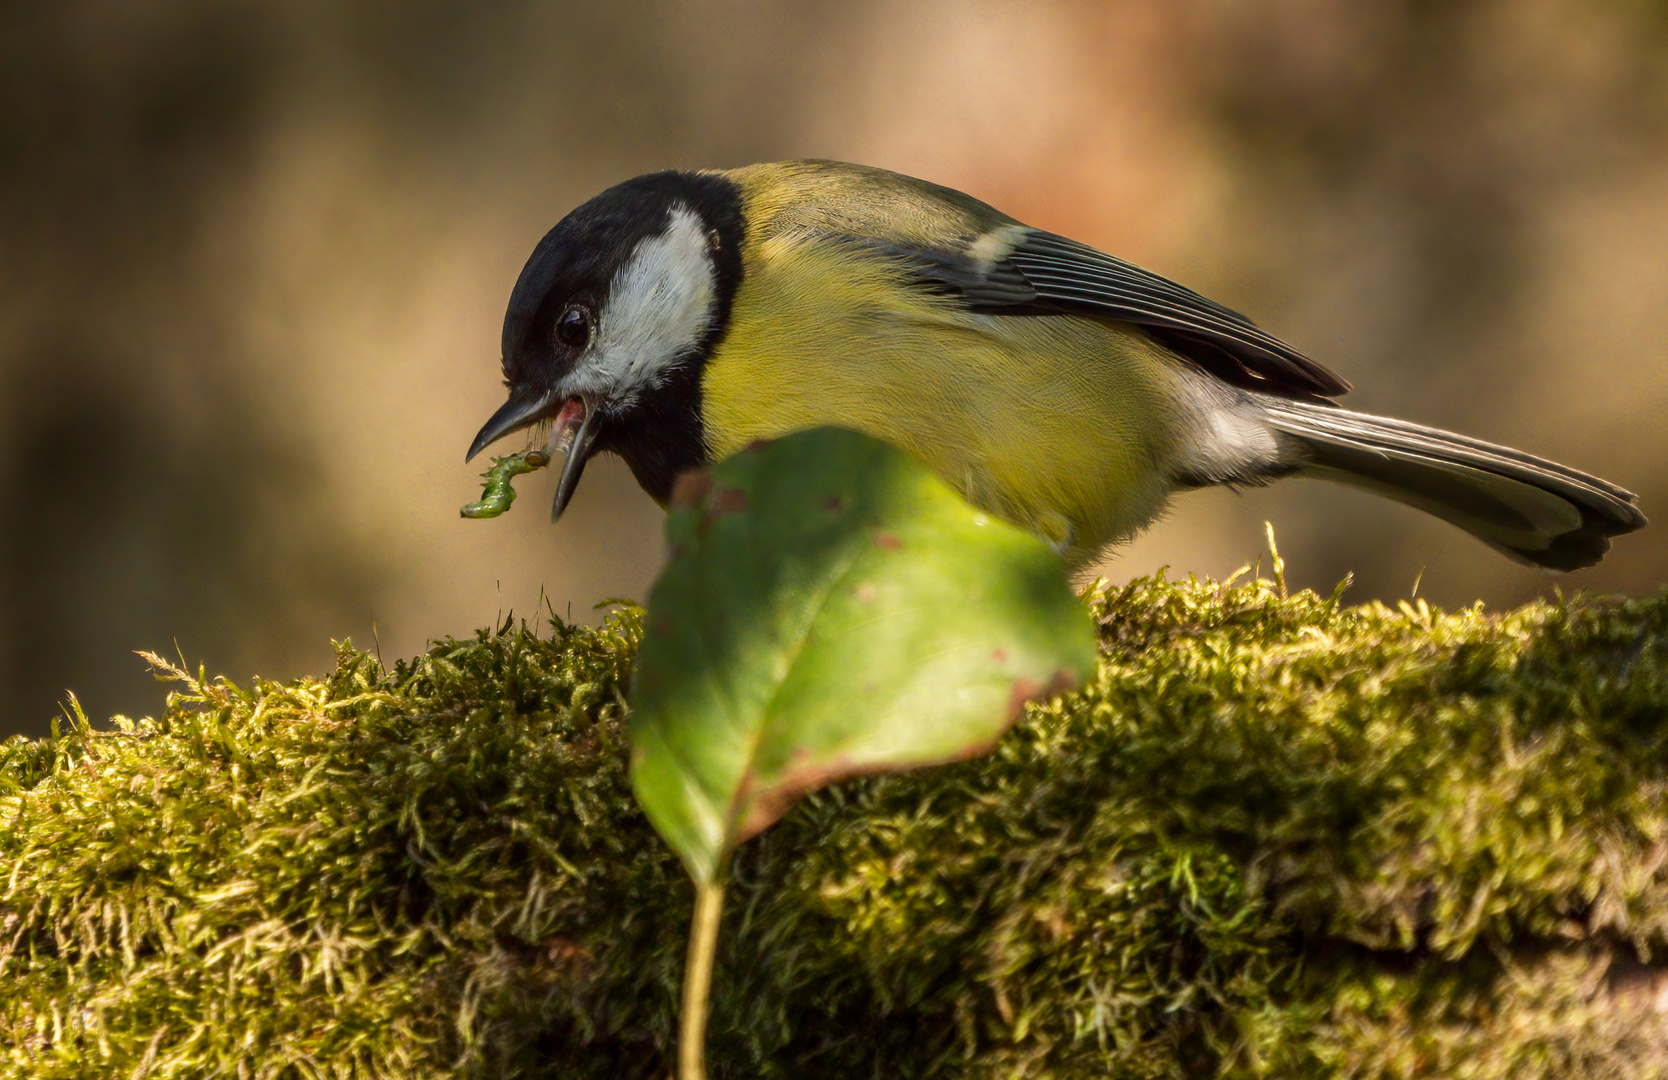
[{"x": 658, "y": 308}]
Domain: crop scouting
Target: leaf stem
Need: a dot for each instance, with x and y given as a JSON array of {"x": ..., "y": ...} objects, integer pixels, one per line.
[{"x": 697, "y": 979}]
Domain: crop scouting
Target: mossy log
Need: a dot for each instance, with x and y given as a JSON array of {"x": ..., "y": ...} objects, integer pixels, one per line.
[{"x": 1276, "y": 836}]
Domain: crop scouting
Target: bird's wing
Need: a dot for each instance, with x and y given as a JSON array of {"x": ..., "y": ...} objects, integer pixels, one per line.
[{"x": 1022, "y": 271}]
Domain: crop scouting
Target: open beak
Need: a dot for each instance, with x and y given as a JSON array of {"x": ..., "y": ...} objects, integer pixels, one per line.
[
  {"x": 521, "y": 410},
  {"x": 574, "y": 429}
]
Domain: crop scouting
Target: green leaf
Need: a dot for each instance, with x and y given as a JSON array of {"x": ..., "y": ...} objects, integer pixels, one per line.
[{"x": 832, "y": 608}]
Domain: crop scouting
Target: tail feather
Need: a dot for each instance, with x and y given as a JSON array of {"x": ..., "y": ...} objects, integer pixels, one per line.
[{"x": 1532, "y": 510}]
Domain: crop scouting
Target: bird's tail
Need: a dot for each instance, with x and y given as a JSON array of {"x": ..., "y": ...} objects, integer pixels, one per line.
[{"x": 1533, "y": 510}]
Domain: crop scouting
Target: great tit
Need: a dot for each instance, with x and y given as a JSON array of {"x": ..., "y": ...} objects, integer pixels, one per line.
[{"x": 679, "y": 316}]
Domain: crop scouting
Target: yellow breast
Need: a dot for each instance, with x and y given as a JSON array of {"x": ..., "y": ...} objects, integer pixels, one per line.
[{"x": 1060, "y": 424}]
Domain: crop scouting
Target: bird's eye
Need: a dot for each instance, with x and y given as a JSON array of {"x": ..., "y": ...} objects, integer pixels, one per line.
[{"x": 573, "y": 328}]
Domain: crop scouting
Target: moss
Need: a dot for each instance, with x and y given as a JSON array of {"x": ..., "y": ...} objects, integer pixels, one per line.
[{"x": 1276, "y": 836}]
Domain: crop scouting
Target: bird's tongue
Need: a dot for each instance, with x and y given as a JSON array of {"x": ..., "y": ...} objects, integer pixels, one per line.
[{"x": 566, "y": 426}]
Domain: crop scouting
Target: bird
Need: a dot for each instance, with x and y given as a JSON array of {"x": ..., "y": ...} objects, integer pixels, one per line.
[{"x": 683, "y": 315}]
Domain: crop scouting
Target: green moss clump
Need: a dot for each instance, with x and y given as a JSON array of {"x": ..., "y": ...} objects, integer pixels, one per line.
[{"x": 1276, "y": 836}]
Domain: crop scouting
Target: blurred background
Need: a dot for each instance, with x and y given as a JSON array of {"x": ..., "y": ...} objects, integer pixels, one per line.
[{"x": 254, "y": 256}]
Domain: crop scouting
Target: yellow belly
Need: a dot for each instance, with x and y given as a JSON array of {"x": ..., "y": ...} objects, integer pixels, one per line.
[{"x": 1062, "y": 425}]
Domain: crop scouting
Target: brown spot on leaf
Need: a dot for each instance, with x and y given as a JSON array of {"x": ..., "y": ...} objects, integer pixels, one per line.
[
  {"x": 757, "y": 808},
  {"x": 760, "y": 808},
  {"x": 835, "y": 504},
  {"x": 756, "y": 445},
  {"x": 1063, "y": 681},
  {"x": 759, "y": 803},
  {"x": 729, "y": 501},
  {"x": 888, "y": 541},
  {"x": 690, "y": 488},
  {"x": 719, "y": 502},
  {"x": 1026, "y": 691},
  {"x": 1023, "y": 693},
  {"x": 999, "y": 655},
  {"x": 866, "y": 593}
]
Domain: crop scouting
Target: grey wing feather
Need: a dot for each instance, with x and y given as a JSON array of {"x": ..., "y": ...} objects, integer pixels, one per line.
[
  {"x": 1045, "y": 273},
  {"x": 1076, "y": 277}
]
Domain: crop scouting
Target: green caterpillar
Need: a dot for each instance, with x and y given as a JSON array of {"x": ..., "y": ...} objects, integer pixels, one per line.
[{"x": 497, "y": 496}]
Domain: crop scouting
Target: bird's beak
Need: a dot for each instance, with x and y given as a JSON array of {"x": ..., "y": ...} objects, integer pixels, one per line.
[
  {"x": 576, "y": 427},
  {"x": 521, "y": 410}
]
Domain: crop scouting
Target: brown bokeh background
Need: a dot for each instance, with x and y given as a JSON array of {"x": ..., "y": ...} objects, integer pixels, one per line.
[{"x": 255, "y": 256}]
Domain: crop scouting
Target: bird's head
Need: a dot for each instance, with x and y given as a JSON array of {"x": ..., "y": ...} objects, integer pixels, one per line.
[{"x": 610, "y": 320}]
